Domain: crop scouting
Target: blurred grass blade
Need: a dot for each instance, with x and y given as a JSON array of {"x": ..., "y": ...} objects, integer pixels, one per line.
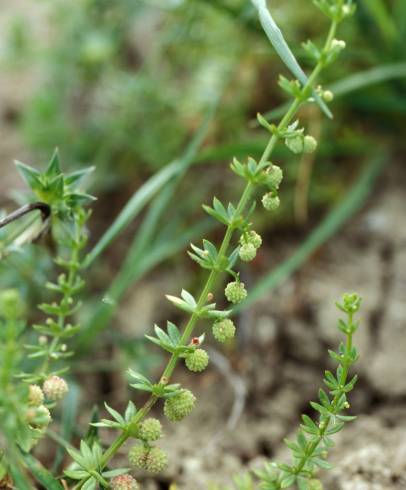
[
  {"x": 378, "y": 10},
  {"x": 328, "y": 227},
  {"x": 275, "y": 35},
  {"x": 41, "y": 474},
  {"x": 148, "y": 190},
  {"x": 68, "y": 421},
  {"x": 368, "y": 77},
  {"x": 19, "y": 478}
]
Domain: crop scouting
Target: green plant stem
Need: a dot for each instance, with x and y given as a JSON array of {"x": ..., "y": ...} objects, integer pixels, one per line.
[
  {"x": 326, "y": 422},
  {"x": 73, "y": 266},
  {"x": 210, "y": 283}
]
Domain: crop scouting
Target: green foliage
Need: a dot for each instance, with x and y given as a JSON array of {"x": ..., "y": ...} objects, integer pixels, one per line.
[
  {"x": 313, "y": 440},
  {"x": 27, "y": 415},
  {"x": 27, "y": 409}
]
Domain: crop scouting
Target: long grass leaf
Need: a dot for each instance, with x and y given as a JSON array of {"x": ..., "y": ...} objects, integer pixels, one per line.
[
  {"x": 378, "y": 10},
  {"x": 280, "y": 45},
  {"x": 19, "y": 478},
  {"x": 365, "y": 78},
  {"x": 41, "y": 474},
  {"x": 148, "y": 190}
]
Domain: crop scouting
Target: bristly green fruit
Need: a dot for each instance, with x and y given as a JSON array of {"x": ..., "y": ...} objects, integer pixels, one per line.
[
  {"x": 251, "y": 237},
  {"x": 197, "y": 361},
  {"x": 138, "y": 456},
  {"x": 156, "y": 461},
  {"x": 124, "y": 482},
  {"x": 274, "y": 177},
  {"x": 152, "y": 459},
  {"x": 235, "y": 292},
  {"x": 179, "y": 406},
  {"x": 223, "y": 330},
  {"x": 270, "y": 201},
  {"x": 309, "y": 144},
  {"x": 247, "y": 252},
  {"x": 150, "y": 430}
]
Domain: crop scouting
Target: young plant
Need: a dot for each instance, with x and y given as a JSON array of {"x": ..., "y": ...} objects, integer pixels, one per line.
[
  {"x": 31, "y": 381},
  {"x": 313, "y": 440}
]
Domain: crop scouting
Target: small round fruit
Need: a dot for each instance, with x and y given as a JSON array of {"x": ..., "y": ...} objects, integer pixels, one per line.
[
  {"x": 150, "y": 430},
  {"x": 124, "y": 482},
  {"x": 179, "y": 406},
  {"x": 235, "y": 292},
  {"x": 197, "y": 361},
  {"x": 223, "y": 330},
  {"x": 270, "y": 201}
]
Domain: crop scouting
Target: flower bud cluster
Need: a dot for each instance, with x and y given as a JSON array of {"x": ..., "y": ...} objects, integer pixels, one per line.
[
  {"x": 55, "y": 388},
  {"x": 301, "y": 143},
  {"x": 249, "y": 243},
  {"x": 35, "y": 396},
  {"x": 235, "y": 292},
  {"x": 150, "y": 430},
  {"x": 124, "y": 482},
  {"x": 271, "y": 201}
]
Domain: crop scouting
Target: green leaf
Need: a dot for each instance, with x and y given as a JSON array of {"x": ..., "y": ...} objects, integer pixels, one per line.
[
  {"x": 281, "y": 47},
  {"x": 116, "y": 415},
  {"x": 321, "y": 463},
  {"x": 130, "y": 411},
  {"x": 29, "y": 174},
  {"x": 190, "y": 300},
  {"x": 75, "y": 177},
  {"x": 91, "y": 484},
  {"x": 77, "y": 457},
  {"x": 174, "y": 333},
  {"x": 163, "y": 336},
  {"x": 288, "y": 481},
  {"x": 54, "y": 167},
  {"x": 179, "y": 303}
]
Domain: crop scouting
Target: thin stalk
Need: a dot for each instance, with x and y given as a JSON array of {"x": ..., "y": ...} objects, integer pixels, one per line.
[
  {"x": 211, "y": 280},
  {"x": 62, "y": 316},
  {"x": 326, "y": 422}
]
